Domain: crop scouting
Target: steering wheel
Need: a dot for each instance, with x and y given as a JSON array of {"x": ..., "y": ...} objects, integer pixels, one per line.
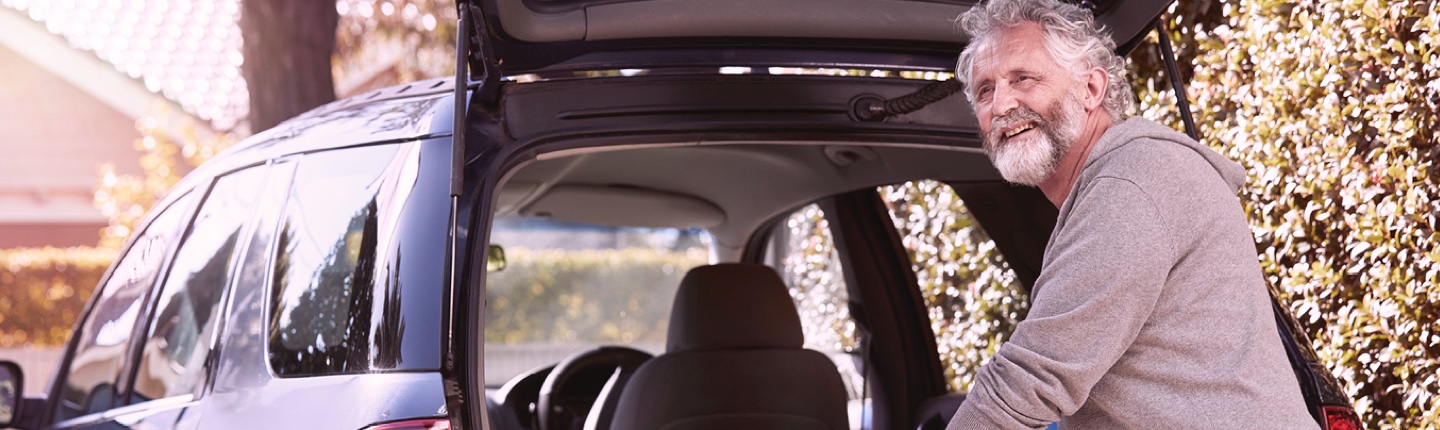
[{"x": 575, "y": 385}]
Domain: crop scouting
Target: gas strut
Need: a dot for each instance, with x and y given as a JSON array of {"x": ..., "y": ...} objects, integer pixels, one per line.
[
  {"x": 1182, "y": 98},
  {"x": 874, "y": 108}
]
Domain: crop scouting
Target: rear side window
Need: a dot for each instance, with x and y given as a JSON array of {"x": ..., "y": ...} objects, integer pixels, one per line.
[
  {"x": 803, "y": 251},
  {"x": 103, "y": 341},
  {"x": 182, "y": 331},
  {"x": 242, "y": 365},
  {"x": 337, "y": 303},
  {"x": 972, "y": 296}
]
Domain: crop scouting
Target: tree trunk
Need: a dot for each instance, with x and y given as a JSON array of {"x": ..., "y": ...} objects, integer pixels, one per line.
[{"x": 288, "y": 45}]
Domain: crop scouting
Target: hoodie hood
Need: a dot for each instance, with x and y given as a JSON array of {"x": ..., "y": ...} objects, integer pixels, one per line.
[{"x": 1137, "y": 129}]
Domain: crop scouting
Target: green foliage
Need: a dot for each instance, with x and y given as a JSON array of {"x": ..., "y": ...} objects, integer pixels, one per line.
[
  {"x": 1332, "y": 106},
  {"x": 165, "y": 158},
  {"x": 599, "y": 296},
  {"x": 811, "y": 268},
  {"x": 402, "y": 40},
  {"x": 973, "y": 297},
  {"x": 43, "y": 291}
]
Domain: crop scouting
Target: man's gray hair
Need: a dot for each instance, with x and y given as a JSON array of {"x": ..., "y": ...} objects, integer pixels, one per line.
[{"x": 1070, "y": 35}]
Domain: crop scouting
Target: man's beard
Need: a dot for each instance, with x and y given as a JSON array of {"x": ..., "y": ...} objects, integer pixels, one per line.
[{"x": 1033, "y": 158}]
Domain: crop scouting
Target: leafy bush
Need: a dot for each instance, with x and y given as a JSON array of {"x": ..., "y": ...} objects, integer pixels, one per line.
[
  {"x": 43, "y": 291},
  {"x": 810, "y": 266},
  {"x": 973, "y": 297},
  {"x": 1332, "y": 106},
  {"x": 165, "y": 158}
]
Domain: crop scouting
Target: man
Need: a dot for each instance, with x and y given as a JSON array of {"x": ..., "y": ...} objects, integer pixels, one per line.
[{"x": 1150, "y": 311}]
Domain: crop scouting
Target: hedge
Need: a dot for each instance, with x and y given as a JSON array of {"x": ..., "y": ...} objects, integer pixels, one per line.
[
  {"x": 607, "y": 296},
  {"x": 1332, "y": 106},
  {"x": 43, "y": 291},
  {"x": 973, "y": 298}
]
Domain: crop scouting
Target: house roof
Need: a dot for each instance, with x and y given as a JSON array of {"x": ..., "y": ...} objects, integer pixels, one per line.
[{"x": 188, "y": 51}]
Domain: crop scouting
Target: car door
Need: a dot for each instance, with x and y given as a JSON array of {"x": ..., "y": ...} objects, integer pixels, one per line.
[{"x": 333, "y": 319}]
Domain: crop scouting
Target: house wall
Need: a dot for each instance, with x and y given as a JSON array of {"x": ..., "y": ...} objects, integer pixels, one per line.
[{"x": 53, "y": 139}]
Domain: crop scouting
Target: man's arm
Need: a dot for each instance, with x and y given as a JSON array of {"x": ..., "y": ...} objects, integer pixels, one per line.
[{"x": 1101, "y": 279}]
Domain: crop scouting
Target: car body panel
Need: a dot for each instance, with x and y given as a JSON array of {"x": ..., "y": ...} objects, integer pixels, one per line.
[{"x": 353, "y": 401}]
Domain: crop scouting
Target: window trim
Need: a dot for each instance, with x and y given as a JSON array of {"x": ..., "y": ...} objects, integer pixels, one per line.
[
  {"x": 859, "y": 224},
  {"x": 137, "y": 411},
  {"x": 889, "y": 308},
  {"x": 279, "y": 168}
]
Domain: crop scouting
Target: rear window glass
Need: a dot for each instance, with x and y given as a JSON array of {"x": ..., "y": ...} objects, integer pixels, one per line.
[
  {"x": 338, "y": 302},
  {"x": 569, "y": 287}
]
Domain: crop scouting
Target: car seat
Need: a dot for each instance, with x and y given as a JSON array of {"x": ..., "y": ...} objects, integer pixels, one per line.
[{"x": 734, "y": 359}]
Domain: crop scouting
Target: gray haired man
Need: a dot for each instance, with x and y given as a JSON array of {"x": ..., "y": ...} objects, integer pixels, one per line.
[{"x": 1150, "y": 311}]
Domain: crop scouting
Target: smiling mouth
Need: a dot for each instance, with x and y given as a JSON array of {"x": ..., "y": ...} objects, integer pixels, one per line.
[{"x": 1018, "y": 130}]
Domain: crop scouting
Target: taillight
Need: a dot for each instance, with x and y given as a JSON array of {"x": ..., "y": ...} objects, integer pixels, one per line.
[
  {"x": 1340, "y": 418},
  {"x": 422, "y": 424}
]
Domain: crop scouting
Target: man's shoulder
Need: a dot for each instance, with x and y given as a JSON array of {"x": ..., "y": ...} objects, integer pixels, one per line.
[
  {"x": 1142, "y": 151},
  {"x": 1142, "y": 160}
]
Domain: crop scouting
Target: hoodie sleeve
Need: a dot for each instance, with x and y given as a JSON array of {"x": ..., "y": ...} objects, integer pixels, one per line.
[{"x": 1102, "y": 276}]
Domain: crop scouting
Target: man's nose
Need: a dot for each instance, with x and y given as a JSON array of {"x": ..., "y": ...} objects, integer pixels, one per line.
[{"x": 1003, "y": 100}]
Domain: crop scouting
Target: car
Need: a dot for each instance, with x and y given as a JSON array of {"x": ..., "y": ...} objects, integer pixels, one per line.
[{"x": 619, "y": 214}]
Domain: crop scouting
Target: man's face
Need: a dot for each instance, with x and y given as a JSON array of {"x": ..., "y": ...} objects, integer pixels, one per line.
[{"x": 1029, "y": 107}]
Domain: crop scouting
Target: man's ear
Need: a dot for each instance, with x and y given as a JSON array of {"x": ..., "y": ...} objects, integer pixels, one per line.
[{"x": 1096, "y": 82}]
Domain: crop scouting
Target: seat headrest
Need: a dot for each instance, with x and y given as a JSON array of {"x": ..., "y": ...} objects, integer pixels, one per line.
[{"x": 733, "y": 306}]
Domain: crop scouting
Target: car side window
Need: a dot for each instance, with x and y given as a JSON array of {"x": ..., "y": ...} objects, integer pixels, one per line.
[
  {"x": 92, "y": 376},
  {"x": 322, "y": 311},
  {"x": 973, "y": 298},
  {"x": 801, "y": 249},
  {"x": 804, "y": 253},
  {"x": 181, "y": 332},
  {"x": 243, "y": 364}
]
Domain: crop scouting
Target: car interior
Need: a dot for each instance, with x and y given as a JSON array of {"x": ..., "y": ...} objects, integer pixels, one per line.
[
  {"x": 734, "y": 324},
  {"x": 689, "y": 126}
]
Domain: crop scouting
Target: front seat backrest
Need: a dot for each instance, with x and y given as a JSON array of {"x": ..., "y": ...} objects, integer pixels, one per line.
[{"x": 734, "y": 360}]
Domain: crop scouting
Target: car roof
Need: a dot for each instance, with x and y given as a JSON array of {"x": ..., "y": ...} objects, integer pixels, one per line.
[{"x": 525, "y": 36}]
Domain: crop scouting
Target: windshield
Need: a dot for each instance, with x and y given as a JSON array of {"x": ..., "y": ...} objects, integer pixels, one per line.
[{"x": 569, "y": 287}]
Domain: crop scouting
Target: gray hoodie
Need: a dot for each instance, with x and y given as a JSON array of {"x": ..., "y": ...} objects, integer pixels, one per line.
[{"x": 1150, "y": 311}]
